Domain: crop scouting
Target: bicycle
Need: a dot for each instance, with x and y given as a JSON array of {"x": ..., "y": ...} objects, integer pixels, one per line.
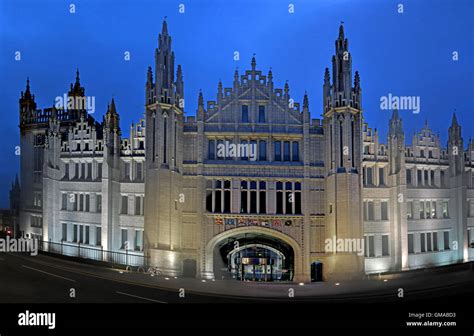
[{"x": 153, "y": 270}]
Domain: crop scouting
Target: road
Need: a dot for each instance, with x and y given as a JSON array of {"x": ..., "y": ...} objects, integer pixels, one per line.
[{"x": 44, "y": 279}]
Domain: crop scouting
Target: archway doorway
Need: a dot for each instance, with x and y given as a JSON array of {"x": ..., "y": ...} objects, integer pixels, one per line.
[{"x": 254, "y": 257}]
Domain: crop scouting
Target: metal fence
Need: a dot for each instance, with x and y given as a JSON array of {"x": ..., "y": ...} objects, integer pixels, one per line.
[{"x": 126, "y": 258}]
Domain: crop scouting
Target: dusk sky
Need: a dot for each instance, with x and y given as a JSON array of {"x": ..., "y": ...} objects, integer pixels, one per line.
[{"x": 405, "y": 54}]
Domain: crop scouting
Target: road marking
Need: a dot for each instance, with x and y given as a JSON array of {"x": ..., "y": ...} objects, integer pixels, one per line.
[
  {"x": 140, "y": 297},
  {"x": 54, "y": 275}
]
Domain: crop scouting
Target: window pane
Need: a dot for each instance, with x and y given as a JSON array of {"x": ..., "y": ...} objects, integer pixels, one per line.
[
  {"x": 385, "y": 251},
  {"x": 296, "y": 151},
  {"x": 262, "y": 150},
  {"x": 212, "y": 150},
  {"x": 277, "y": 146},
  {"x": 384, "y": 206},
  {"x": 411, "y": 248},
  {"x": 261, "y": 114},
  {"x": 245, "y": 113},
  {"x": 286, "y": 151}
]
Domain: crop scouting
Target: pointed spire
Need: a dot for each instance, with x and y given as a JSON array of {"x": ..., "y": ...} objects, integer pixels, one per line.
[
  {"x": 341, "y": 31},
  {"x": 112, "y": 118},
  {"x": 112, "y": 109},
  {"x": 356, "y": 80},
  {"x": 454, "y": 121},
  {"x": 200, "y": 99},
  {"x": 395, "y": 114},
  {"x": 27, "y": 85},
  {"x": 270, "y": 74},
  {"x": 77, "y": 89},
  {"x": 253, "y": 63},
  {"x": 164, "y": 29},
  {"x": 149, "y": 75},
  {"x": 287, "y": 88},
  {"x": 305, "y": 101},
  {"x": 179, "y": 72},
  {"x": 327, "y": 77}
]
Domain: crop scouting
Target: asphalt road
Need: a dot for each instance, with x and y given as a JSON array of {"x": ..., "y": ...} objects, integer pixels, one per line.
[
  {"x": 23, "y": 280},
  {"x": 41, "y": 279}
]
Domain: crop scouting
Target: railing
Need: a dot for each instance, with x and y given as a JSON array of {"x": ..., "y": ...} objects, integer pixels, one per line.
[{"x": 126, "y": 258}]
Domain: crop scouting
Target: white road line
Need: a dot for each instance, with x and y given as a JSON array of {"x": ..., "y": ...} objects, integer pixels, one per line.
[
  {"x": 140, "y": 297},
  {"x": 54, "y": 275}
]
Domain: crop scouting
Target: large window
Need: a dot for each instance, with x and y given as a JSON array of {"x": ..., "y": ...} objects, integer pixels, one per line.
[
  {"x": 138, "y": 206},
  {"x": 218, "y": 196},
  {"x": 245, "y": 113},
  {"x": 409, "y": 179},
  {"x": 261, "y": 113},
  {"x": 88, "y": 203},
  {"x": 369, "y": 211},
  {"x": 98, "y": 235},
  {"x": 286, "y": 151},
  {"x": 288, "y": 198},
  {"x": 63, "y": 201},
  {"x": 124, "y": 236},
  {"x": 262, "y": 150},
  {"x": 296, "y": 151},
  {"x": 139, "y": 173},
  {"x": 445, "y": 209},
  {"x": 381, "y": 176},
  {"x": 277, "y": 148},
  {"x": 385, "y": 247},
  {"x": 253, "y": 198},
  {"x": 384, "y": 210},
  {"x": 212, "y": 150},
  {"x": 370, "y": 246},
  {"x": 446, "y": 240},
  {"x": 86, "y": 234},
  {"x": 410, "y": 210},
  {"x": 98, "y": 201},
  {"x": 74, "y": 233},
  {"x": 64, "y": 232},
  {"x": 369, "y": 176},
  {"x": 124, "y": 207},
  {"x": 138, "y": 240},
  {"x": 433, "y": 209}
]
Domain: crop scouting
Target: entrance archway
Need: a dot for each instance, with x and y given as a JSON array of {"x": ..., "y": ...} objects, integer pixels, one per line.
[{"x": 253, "y": 253}]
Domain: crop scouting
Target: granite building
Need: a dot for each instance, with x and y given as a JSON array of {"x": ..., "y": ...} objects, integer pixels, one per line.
[{"x": 176, "y": 192}]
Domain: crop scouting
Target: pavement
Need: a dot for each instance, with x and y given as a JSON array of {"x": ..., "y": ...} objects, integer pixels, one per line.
[{"x": 47, "y": 279}]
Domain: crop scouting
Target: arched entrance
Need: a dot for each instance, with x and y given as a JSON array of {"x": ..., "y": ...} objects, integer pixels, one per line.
[{"x": 253, "y": 254}]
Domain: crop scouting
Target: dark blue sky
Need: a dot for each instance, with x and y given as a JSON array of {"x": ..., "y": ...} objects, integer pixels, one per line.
[{"x": 407, "y": 54}]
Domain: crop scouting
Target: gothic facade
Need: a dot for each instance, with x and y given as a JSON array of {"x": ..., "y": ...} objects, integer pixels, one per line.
[{"x": 176, "y": 192}]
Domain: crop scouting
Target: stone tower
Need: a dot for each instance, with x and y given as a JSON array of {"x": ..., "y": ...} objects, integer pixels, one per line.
[
  {"x": 343, "y": 135},
  {"x": 163, "y": 178},
  {"x": 398, "y": 193},
  {"x": 458, "y": 185}
]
